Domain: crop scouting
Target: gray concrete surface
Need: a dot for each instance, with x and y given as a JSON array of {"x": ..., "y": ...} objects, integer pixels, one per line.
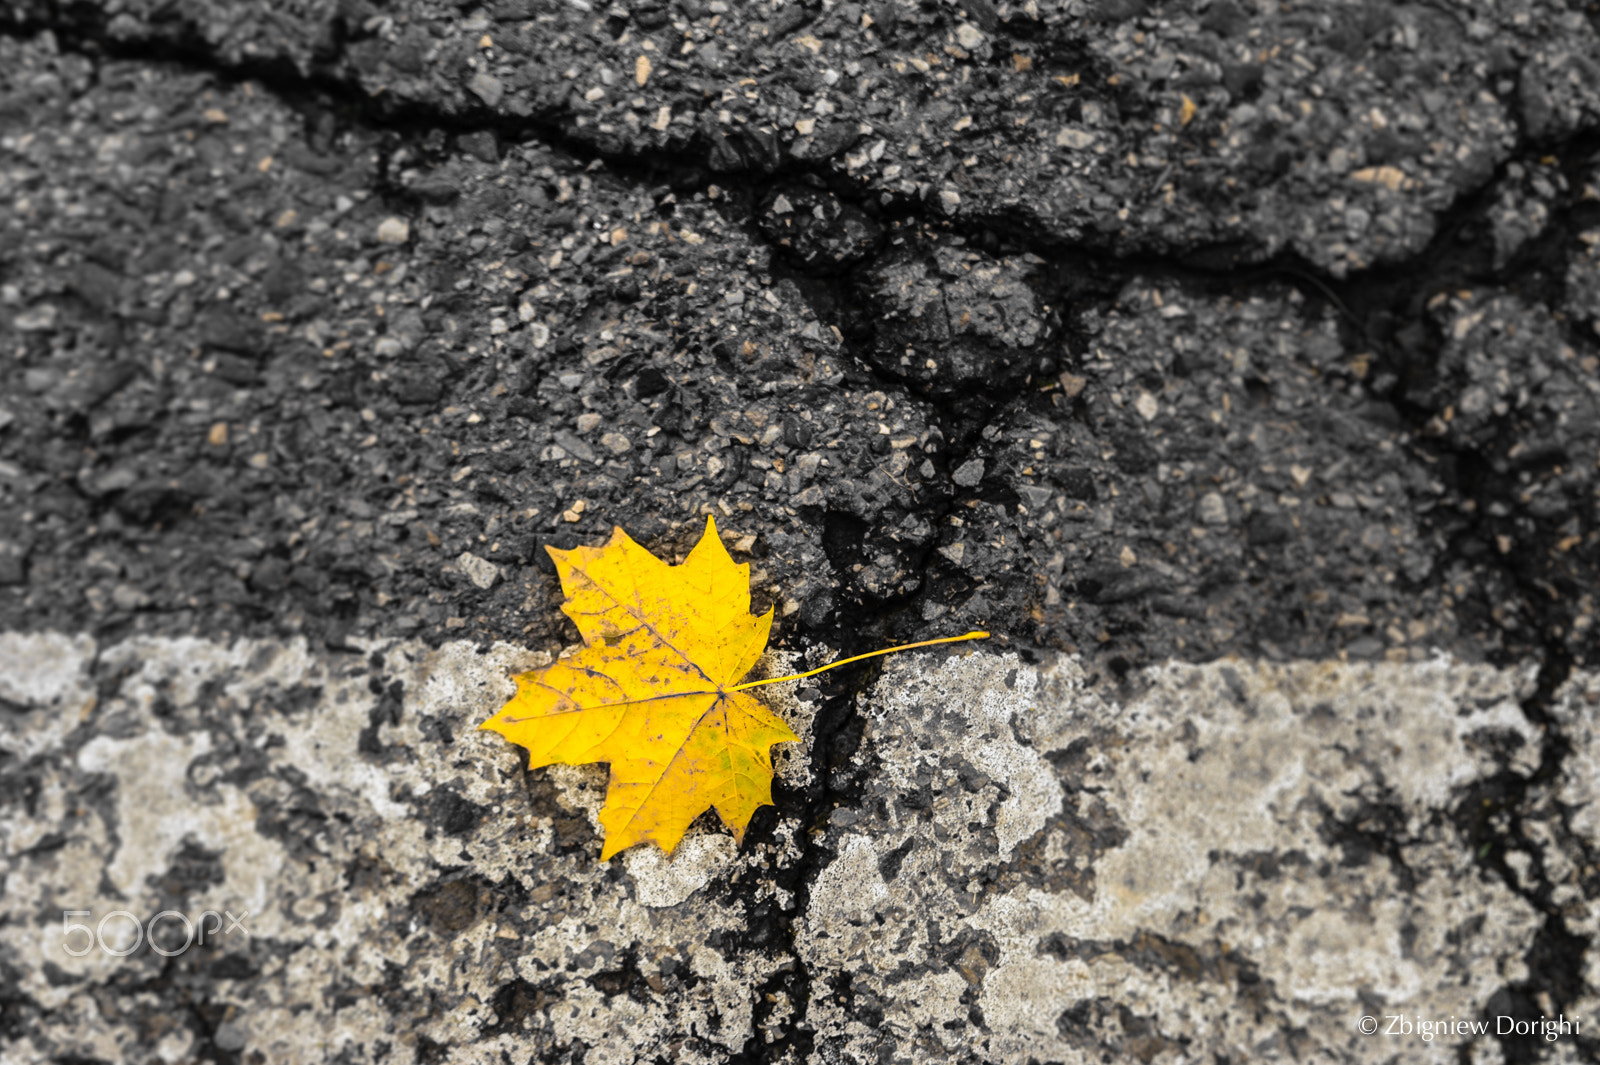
[{"x": 1236, "y": 863}]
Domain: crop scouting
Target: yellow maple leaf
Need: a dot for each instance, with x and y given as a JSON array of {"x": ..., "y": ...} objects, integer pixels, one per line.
[{"x": 655, "y": 691}]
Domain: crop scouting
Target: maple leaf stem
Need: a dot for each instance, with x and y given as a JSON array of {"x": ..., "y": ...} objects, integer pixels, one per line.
[{"x": 975, "y": 635}]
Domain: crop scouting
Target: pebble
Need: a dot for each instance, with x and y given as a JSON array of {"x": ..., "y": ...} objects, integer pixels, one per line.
[
  {"x": 969, "y": 473},
  {"x": 394, "y": 230},
  {"x": 38, "y": 319},
  {"x": 574, "y": 446},
  {"x": 127, "y": 597},
  {"x": 480, "y": 571},
  {"x": 487, "y": 88},
  {"x": 1211, "y": 510},
  {"x": 1035, "y": 496}
]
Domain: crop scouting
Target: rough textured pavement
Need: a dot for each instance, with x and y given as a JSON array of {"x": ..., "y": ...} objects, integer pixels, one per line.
[
  {"x": 1235, "y": 864},
  {"x": 1259, "y": 337}
]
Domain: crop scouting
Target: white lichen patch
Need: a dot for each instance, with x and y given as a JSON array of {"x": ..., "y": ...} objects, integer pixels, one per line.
[
  {"x": 1245, "y": 854},
  {"x": 406, "y": 887},
  {"x": 1238, "y": 863},
  {"x": 49, "y": 673},
  {"x": 1569, "y": 823},
  {"x": 666, "y": 880}
]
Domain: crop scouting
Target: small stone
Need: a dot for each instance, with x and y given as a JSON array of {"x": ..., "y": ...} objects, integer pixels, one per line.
[
  {"x": 231, "y": 1036},
  {"x": 116, "y": 480},
  {"x": 127, "y": 597},
  {"x": 950, "y": 199},
  {"x": 480, "y": 145},
  {"x": 487, "y": 88},
  {"x": 538, "y": 334},
  {"x": 1127, "y": 557},
  {"x": 387, "y": 347},
  {"x": 218, "y": 435},
  {"x": 574, "y": 445},
  {"x": 969, "y": 36},
  {"x": 38, "y": 319},
  {"x": 641, "y": 69},
  {"x": 616, "y": 443},
  {"x": 969, "y": 473},
  {"x": 394, "y": 230},
  {"x": 1147, "y": 406},
  {"x": 1390, "y": 177},
  {"x": 480, "y": 571},
  {"x": 1074, "y": 138},
  {"x": 1035, "y": 496},
  {"x": 260, "y": 460},
  {"x": 1365, "y": 647},
  {"x": 588, "y": 423},
  {"x": 954, "y": 552},
  {"x": 1211, "y": 510}
]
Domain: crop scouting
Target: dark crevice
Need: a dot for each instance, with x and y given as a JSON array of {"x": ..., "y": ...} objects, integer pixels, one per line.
[{"x": 1492, "y": 820}]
